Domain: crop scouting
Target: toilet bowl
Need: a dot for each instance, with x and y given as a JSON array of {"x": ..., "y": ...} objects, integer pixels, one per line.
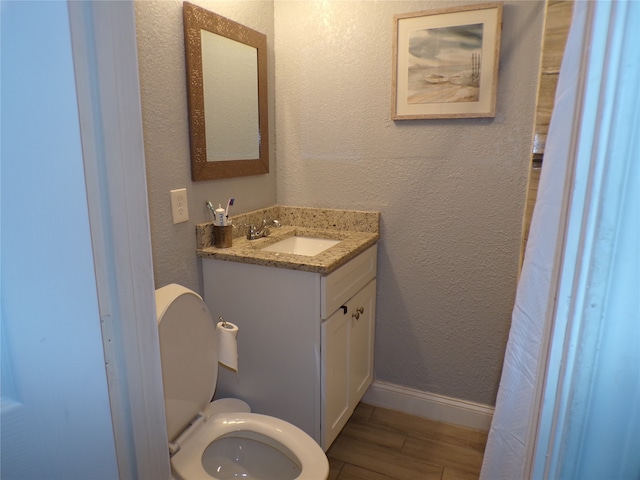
[{"x": 220, "y": 439}]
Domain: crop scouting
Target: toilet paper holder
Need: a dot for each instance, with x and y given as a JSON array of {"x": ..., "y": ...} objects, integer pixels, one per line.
[{"x": 225, "y": 324}]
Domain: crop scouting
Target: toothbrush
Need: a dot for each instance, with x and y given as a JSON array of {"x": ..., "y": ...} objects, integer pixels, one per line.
[
  {"x": 211, "y": 207},
  {"x": 229, "y": 203}
]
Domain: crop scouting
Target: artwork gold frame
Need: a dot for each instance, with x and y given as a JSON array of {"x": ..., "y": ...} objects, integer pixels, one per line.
[{"x": 445, "y": 62}]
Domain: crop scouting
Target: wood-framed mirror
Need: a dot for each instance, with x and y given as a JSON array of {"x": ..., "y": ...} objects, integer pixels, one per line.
[{"x": 227, "y": 94}]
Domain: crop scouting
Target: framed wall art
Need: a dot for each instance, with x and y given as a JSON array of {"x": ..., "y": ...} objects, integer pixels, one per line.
[{"x": 445, "y": 63}]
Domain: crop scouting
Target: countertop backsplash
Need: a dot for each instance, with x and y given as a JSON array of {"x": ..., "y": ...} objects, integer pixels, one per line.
[{"x": 316, "y": 218}]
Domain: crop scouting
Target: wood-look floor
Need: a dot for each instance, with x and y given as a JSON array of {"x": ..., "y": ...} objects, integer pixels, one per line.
[{"x": 381, "y": 444}]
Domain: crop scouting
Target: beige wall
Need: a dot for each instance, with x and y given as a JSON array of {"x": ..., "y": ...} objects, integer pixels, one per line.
[{"x": 451, "y": 192}]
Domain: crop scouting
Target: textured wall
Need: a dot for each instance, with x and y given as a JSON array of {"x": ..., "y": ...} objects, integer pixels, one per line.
[
  {"x": 166, "y": 134},
  {"x": 451, "y": 192}
]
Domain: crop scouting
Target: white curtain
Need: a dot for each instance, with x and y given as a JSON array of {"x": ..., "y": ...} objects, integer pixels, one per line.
[
  {"x": 510, "y": 443},
  {"x": 568, "y": 405}
]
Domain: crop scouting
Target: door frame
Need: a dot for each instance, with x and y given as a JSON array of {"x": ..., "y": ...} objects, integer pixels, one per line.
[{"x": 103, "y": 37}]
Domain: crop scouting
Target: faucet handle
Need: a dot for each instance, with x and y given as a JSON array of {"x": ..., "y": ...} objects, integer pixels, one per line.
[
  {"x": 252, "y": 230},
  {"x": 267, "y": 222}
]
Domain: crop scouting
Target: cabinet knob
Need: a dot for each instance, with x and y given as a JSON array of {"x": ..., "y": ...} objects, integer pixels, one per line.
[{"x": 358, "y": 312}]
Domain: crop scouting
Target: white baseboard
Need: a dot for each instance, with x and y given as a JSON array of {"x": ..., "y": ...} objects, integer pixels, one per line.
[{"x": 429, "y": 405}]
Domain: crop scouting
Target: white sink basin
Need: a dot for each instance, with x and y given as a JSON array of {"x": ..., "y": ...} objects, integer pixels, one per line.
[{"x": 308, "y": 246}]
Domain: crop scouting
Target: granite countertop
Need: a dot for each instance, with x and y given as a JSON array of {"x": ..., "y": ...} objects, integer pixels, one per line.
[{"x": 356, "y": 231}]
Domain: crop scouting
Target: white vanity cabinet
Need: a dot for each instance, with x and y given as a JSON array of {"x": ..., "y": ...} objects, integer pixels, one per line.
[{"x": 305, "y": 340}]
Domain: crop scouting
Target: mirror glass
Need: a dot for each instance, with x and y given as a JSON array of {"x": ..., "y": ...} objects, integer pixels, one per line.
[
  {"x": 230, "y": 87},
  {"x": 227, "y": 90}
]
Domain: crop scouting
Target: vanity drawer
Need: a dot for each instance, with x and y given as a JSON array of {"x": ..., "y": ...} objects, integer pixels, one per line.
[{"x": 339, "y": 286}]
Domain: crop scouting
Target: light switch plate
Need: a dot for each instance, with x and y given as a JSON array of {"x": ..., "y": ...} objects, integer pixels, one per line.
[{"x": 179, "y": 207}]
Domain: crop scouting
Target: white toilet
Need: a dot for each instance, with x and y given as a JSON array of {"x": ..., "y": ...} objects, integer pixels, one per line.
[{"x": 221, "y": 439}]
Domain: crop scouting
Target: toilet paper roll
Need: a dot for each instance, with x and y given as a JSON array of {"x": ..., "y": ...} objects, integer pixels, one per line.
[{"x": 228, "y": 344}]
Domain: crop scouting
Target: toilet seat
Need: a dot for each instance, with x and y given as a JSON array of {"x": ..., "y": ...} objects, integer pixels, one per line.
[
  {"x": 189, "y": 357},
  {"x": 187, "y": 462}
]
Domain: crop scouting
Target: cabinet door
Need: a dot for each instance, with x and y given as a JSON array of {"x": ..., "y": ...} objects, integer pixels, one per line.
[
  {"x": 347, "y": 360},
  {"x": 362, "y": 314},
  {"x": 335, "y": 375}
]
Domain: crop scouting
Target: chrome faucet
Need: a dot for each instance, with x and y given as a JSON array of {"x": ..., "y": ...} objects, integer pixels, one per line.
[{"x": 254, "y": 231}]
